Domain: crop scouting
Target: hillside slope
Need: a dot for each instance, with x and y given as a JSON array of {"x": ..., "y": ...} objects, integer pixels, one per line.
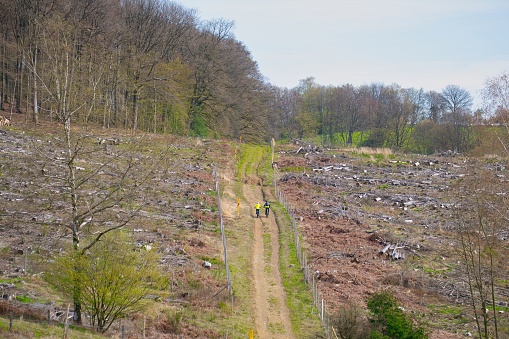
[{"x": 178, "y": 215}]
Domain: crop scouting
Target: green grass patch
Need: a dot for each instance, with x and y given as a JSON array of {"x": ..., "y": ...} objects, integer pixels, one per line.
[
  {"x": 25, "y": 329},
  {"x": 294, "y": 169},
  {"x": 25, "y": 299},
  {"x": 446, "y": 309},
  {"x": 305, "y": 322},
  {"x": 13, "y": 281},
  {"x": 436, "y": 271}
]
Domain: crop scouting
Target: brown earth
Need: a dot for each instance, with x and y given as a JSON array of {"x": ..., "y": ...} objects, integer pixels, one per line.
[
  {"x": 347, "y": 206},
  {"x": 271, "y": 313}
]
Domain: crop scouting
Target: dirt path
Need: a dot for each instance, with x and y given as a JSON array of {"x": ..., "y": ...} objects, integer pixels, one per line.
[{"x": 272, "y": 317}]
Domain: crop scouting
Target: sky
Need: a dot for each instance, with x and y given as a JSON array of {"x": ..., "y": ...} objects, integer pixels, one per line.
[{"x": 426, "y": 44}]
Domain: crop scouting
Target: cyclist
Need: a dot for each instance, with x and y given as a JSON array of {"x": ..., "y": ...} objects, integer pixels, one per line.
[
  {"x": 257, "y": 208},
  {"x": 267, "y": 208}
]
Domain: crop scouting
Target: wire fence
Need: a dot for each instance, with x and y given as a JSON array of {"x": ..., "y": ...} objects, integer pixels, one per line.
[
  {"x": 54, "y": 317},
  {"x": 309, "y": 277},
  {"x": 61, "y": 320}
]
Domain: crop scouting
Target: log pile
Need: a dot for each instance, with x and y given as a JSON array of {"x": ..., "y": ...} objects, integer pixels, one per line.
[
  {"x": 4, "y": 121},
  {"x": 393, "y": 251}
]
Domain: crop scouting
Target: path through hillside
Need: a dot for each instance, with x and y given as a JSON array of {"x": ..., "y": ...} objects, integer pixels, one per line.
[
  {"x": 268, "y": 302},
  {"x": 272, "y": 317}
]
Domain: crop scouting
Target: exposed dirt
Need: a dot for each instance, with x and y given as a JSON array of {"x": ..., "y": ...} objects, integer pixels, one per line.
[
  {"x": 349, "y": 207},
  {"x": 178, "y": 214},
  {"x": 272, "y": 314}
]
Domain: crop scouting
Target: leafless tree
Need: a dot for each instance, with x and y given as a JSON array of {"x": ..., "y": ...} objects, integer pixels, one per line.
[
  {"x": 436, "y": 106},
  {"x": 457, "y": 102},
  {"x": 495, "y": 96},
  {"x": 482, "y": 230},
  {"x": 349, "y": 111},
  {"x": 283, "y": 108}
]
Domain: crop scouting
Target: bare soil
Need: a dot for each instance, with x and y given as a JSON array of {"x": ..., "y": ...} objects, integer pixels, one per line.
[
  {"x": 350, "y": 206},
  {"x": 271, "y": 313}
]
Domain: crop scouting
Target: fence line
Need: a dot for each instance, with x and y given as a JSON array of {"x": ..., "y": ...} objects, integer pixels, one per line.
[
  {"x": 318, "y": 301},
  {"x": 57, "y": 317}
]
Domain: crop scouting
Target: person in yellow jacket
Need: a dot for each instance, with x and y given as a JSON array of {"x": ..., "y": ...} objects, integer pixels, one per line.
[{"x": 257, "y": 209}]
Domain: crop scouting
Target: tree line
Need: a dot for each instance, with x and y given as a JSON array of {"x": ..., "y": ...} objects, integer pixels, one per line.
[
  {"x": 379, "y": 115},
  {"x": 154, "y": 66},
  {"x": 146, "y": 65}
]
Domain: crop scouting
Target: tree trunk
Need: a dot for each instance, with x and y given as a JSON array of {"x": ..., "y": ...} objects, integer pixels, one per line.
[
  {"x": 3, "y": 94},
  {"x": 35, "y": 103}
]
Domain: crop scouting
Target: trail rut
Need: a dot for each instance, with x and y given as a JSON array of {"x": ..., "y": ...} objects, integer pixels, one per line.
[{"x": 272, "y": 316}]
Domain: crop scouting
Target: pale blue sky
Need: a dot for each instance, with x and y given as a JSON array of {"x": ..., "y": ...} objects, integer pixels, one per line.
[{"x": 425, "y": 44}]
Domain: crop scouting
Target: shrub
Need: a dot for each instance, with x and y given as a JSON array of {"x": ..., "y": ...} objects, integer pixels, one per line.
[
  {"x": 389, "y": 321},
  {"x": 350, "y": 322}
]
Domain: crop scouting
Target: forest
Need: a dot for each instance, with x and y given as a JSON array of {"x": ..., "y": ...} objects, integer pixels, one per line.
[{"x": 155, "y": 66}]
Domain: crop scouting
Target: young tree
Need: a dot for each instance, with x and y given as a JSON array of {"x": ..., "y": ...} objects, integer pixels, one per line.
[
  {"x": 115, "y": 276},
  {"x": 92, "y": 190},
  {"x": 389, "y": 321},
  {"x": 482, "y": 228}
]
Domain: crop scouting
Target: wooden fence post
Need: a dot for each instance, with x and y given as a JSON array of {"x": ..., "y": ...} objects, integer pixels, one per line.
[{"x": 66, "y": 323}]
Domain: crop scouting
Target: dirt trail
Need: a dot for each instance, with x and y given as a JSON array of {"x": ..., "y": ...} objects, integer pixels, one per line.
[{"x": 272, "y": 316}]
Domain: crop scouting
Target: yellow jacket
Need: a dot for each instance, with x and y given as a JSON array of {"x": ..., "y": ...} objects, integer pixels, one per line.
[{"x": 258, "y": 206}]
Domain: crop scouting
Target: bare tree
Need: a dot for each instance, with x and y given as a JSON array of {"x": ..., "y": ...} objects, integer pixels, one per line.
[
  {"x": 92, "y": 205},
  {"x": 349, "y": 111},
  {"x": 436, "y": 106},
  {"x": 283, "y": 108},
  {"x": 495, "y": 96},
  {"x": 482, "y": 230},
  {"x": 457, "y": 102}
]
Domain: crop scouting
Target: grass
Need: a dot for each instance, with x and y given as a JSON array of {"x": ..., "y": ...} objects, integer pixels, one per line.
[
  {"x": 305, "y": 322},
  {"x": 239, "y": 238},
  {"x": 256, "y": 161},
  {"x": 299, "y": 296},
  {"x": 267, "y": 245},
  {"x": 295, "y": 169},
  {"x": 447, "y": 309},
  {"x": 25, "y": 329}
]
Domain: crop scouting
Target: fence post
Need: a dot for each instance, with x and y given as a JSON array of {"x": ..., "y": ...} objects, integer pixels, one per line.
[
  {"x": 11, "y": 315},
  {"x": 309, "y": 277},
  {"x": 223, "y": 236},
  {"x": 66, "y": 325},
  {"x": 144, "y": 324}
]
